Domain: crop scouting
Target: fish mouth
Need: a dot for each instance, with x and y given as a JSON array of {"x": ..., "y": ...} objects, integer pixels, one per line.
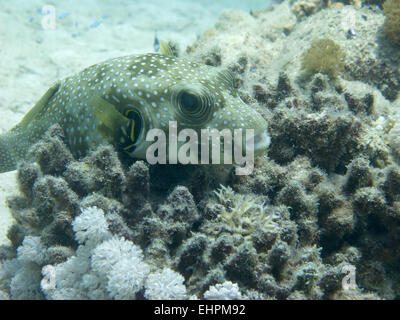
[{"x": 261, "y": 142}]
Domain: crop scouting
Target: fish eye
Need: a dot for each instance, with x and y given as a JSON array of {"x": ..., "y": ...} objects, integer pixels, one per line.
[
  {"x": 189, "y": 101},
  {"x": 133, "y": 129},
  {"x": 194, "y": 103}
]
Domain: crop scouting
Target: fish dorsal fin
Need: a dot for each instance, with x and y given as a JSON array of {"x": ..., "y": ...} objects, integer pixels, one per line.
[
  {"x": 109, "y": 116},
  {"x": 165, "y": 49},
  {"x": 40, "y": 106}
]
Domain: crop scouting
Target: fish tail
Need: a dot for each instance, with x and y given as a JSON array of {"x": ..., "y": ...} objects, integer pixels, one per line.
[
  {"x": 15, "y": 144},
  {"x": 7, "y": 159}
]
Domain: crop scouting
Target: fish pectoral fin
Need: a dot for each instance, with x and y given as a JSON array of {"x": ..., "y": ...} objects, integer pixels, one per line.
[
  {"x": 227, "y": 76},
  {"x": 7, "y": 160},
  {"x": 113, "y": 121},
  {"x": 165, "y": 49}
]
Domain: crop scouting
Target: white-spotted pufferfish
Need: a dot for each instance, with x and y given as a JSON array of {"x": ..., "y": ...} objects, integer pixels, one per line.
[{"x": 121, "y": 99}]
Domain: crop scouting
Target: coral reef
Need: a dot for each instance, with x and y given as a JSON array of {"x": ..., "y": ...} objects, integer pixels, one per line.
[{"x": 323, "y": 198}]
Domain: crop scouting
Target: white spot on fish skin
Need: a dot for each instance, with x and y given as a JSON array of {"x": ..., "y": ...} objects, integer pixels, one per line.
[{"x": 116, "y": 99}]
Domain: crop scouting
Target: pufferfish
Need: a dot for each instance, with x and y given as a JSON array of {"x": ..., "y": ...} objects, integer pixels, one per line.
[{"x": 118, "y": 101}]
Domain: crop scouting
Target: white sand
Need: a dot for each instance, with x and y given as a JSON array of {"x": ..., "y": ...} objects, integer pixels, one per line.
[
  {"x": 32, "y": 58},
  {"x": 7, "y": 188}
]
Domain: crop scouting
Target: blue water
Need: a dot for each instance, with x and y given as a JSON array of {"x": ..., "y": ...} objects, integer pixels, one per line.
[{"x": 182, "y": 20}]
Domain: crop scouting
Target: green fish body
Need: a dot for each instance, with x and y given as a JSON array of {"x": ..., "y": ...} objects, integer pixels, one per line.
[{"x": 121, "y": 99}]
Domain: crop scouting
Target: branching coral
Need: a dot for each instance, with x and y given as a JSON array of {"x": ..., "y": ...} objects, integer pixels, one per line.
[
  {"x": 165, "y": 284},
  {"x": 223, "y": 291},
  {"x": 103, "y": 267}
]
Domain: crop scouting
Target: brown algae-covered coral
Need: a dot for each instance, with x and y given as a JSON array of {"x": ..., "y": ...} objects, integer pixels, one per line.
[
  {"x": 324, "y": 56},
  {"x": 391, "y": 9}
]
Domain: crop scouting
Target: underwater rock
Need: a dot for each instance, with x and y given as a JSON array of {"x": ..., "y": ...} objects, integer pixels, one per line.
[
  {"x": 330, "y": 141},
  {"x": 394, "y": 141},
  {"x": 358, "y": 175},
  {"x": 365, "y": 104},
  {"x": 391, "y": 185},
  {"x": 51, "y": 153}
]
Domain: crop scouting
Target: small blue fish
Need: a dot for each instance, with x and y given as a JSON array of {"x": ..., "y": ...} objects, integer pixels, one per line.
[
  {"x": 95, "y": 24},
  {"x": 156, "y": 43},
  {"x": 63, "y": 15}
]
